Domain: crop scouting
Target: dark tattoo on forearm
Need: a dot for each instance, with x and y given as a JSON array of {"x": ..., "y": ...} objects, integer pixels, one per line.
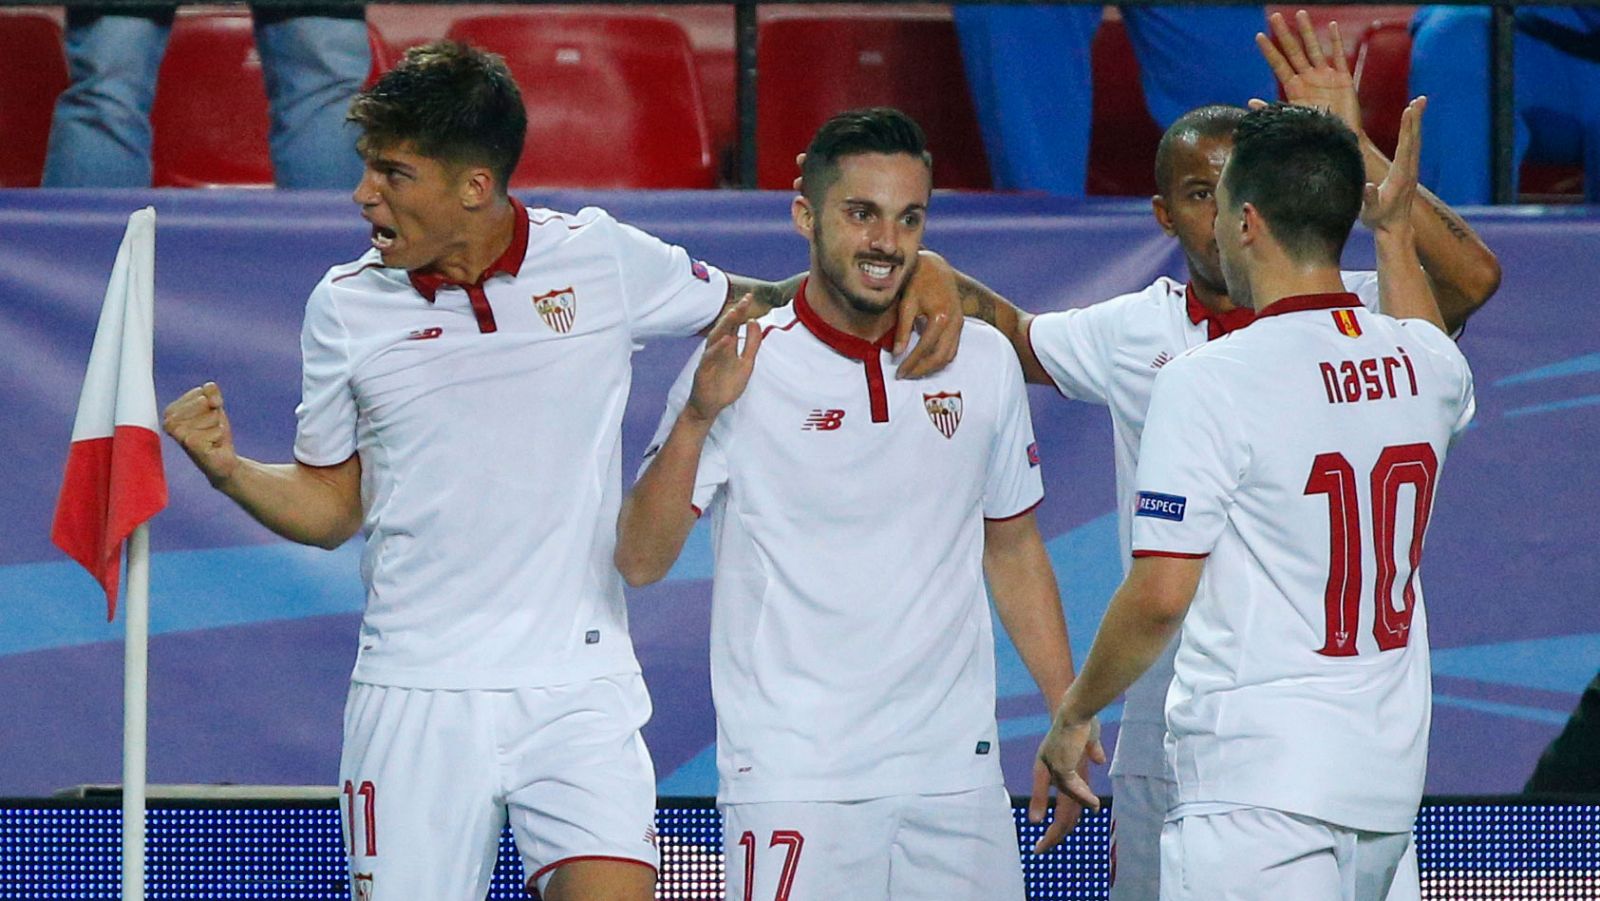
[
  {"x": 771, "y": 294},
  {"x": 1451, "y": 221},
  {"x": 977, "y": 301}
]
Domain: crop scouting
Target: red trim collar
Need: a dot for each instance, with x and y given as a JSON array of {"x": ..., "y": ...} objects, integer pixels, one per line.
[
  {"x": 508, "y": 263},
  {"x": 1302, "y": 302},
  {"x": 1217, "y": 324},
  {"x": 846, "y": 344}
]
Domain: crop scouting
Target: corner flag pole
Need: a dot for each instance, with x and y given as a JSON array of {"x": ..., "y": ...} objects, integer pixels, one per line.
[{"x": 135, "y": 694}]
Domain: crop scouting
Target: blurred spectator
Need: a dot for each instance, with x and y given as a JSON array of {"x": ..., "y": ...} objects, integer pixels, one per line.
[
  {"x": 1572, "y": 762},
  {"x": 1029, "y": 68},
  {"x": 1557, "y": 75},
  {"x": 314, "y": 59}
]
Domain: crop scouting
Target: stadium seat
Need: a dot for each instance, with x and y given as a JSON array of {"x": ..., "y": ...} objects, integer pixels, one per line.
[
  {"x": 613, "y": 99},
  {"x": 814, "y": 65},
  {"x": 1122, "y": 134},
  {"x": 210, "y": 119},
  {"x": 1383, "y": 66},
  {"x": 33, "y": 72},
  {"x": 210, "y": 115}
]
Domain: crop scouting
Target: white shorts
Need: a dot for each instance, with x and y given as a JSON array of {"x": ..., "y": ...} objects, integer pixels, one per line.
[
  {"x": 1139, "y": 806},
  {"x": 1407, "y": 885},
  {"x": 430, "y": 778},
  {"x": 1259, "y": 854},
  {"x": 955, "y": 847}
]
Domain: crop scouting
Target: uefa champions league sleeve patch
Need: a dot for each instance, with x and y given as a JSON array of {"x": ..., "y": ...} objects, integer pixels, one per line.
[{"x": 1160, "y": 506}]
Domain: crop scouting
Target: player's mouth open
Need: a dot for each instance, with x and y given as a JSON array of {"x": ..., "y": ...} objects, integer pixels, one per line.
[
  {"x": 382, "y": 238},
  {"x": 877, "y": 273}
]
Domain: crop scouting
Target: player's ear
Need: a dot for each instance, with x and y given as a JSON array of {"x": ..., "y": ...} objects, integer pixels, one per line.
[
  {"x": 1158, "y": 205},
  {"x": 800, "y": 211},
  {"x": 477, "y": 187},
  {"x": 1251, "y": 225}
]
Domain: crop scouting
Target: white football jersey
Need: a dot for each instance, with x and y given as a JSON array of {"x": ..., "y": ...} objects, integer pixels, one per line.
[
  {"x": 1301, "y": 457},
  {"x": 1110, "y": 353},
  {"x": 488, "y": 419},
  {"x": 851, "y": 650}
]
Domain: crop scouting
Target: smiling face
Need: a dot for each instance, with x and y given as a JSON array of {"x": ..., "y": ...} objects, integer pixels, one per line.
[
  {"x": 415, "y": 205},
  {"x": 1186, "y": 208},
  {"x": 867, "y": 229}
]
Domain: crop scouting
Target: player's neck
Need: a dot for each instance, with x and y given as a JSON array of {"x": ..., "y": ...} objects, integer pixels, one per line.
[
  {"x": 1270, "y": 284},
  {"x": 1217, "y": 301},
  {"x": 838, "y": 312},
  {"x": 484, "y": 238}
]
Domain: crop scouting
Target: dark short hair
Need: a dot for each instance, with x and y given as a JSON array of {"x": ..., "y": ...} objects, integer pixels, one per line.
[
  {"x": 1215, "y": 121},
  {"x": 877, "y": 130},
  {"x": 452, "y": 102},
  {"x": 1301, "y": 169}
]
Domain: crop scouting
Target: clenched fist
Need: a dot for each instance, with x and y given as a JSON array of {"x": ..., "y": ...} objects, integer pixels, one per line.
[{"x": 198, "y": 423}]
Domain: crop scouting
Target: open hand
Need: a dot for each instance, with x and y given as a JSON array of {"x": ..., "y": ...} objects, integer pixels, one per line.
[
  {"x": 1309, "y": 77},
  {"x": 1388, "y": 205},
  {"x": 724, "y": 369}
]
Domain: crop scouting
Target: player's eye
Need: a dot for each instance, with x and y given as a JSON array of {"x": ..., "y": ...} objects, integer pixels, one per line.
[
  {"x": 911, "y": 220},
  {"x": 857, "y": 215},
  {"x": 1200, "y": 195}
]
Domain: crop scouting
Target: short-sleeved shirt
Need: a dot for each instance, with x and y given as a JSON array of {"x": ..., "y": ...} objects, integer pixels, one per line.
[
  {"x": 488, "y": 420},
  {"x": 852, "y": 654},
  {"x": 1110, "y": 353},
  {"x": 1300, "y": 457}
]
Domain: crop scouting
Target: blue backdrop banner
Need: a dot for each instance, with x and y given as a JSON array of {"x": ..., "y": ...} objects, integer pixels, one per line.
[{"x": 254, "y": 638}]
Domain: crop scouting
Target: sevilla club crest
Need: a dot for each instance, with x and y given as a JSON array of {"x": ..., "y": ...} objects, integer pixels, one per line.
[
  {"x": 363, "y": 884},
  {"x": 944, "y": 409},
  {"x": 558, "y": 309}
]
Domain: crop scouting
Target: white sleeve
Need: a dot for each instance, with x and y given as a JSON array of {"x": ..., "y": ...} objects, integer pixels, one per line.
[
  {"x": 1364, "y": 285},
  {"x": 666, "y": 293},
  {"x": 325, "y": 431},
  {"x": 1073, "y": 346},
  {"x": 1013, "y": 485},
  {"x": 713, "y": 469},
  {"x": 1191, "y": 460},
  {"x": 1444, "y": 356}
]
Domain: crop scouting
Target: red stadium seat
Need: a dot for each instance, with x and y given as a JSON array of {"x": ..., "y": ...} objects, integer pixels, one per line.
[
  {"x": 1122, "y": 134},
  {"x": 33, "y": 72},
  {"x": 1383, "y": 68},
  {"x": 816, "y": 65},
  {"x": 613, "y": 99},
  {"x": 210, "y": 115},
  {"x": 210, "y": 118}
]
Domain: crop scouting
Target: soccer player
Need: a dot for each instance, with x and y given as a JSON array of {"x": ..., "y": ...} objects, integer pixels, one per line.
[
  {"x": 464, "y": 382},
  {"x": 852, "y": 659},
  {"x": 1110, "y": 353},
  {"x": 1286, "y": 478}
]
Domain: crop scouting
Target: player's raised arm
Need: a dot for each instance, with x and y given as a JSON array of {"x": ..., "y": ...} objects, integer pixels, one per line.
[
  {"x": 316, "y": 505},
  {"x": 658, "y": 514},
  {"x": 1465, "y": 273},
  {"x": 1386, "y": 209}
]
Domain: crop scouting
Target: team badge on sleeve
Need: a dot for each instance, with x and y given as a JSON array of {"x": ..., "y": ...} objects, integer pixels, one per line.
[
  {"x": 1345, "y": 321},
  {"x": 699, "y": 271},
  {"x": 944, "y": 409},
  {"x": 1033, "y": 454},
  {"x": 1160, "y": 506},
  {"x": 558, "y": 309}
]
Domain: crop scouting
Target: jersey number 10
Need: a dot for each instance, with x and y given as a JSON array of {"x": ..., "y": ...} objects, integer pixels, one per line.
[{"x": 1331, "y": 474}]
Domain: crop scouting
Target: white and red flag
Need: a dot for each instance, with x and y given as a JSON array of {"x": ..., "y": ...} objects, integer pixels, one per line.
[{"x": 114, "y": 479}]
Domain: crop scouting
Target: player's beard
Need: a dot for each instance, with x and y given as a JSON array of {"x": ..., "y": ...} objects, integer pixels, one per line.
[{"x": 835, "y": 277}]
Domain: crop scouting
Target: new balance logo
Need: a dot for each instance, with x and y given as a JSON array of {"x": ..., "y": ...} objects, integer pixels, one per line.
[
  {"x": 423, "y": 334},
  {"x": 823, "y": 421},
  {"x": 1161, "y": 360}
]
